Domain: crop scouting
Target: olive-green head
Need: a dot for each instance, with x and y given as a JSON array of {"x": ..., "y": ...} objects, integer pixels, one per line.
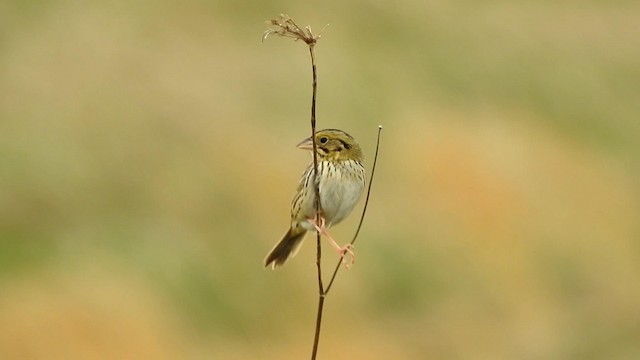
[{"x": 334, "y": 144}]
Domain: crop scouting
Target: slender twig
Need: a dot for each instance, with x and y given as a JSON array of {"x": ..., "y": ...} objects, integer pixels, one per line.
[
  {"x": 364, "y": 211},
  {"x": 316, "y": 186}
]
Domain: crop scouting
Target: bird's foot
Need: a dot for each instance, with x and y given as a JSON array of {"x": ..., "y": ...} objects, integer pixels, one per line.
[{"x": 342, "y": 250}]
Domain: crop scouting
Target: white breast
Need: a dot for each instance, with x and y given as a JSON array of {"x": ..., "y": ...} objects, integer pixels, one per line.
[{"x": 339, "y": 194}]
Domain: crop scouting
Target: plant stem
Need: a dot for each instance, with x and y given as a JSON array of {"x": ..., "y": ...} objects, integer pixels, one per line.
[{"x": 316, "y": 337}]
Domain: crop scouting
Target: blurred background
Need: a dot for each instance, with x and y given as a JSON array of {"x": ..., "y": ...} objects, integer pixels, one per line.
[{"x": 148, "y": 160}]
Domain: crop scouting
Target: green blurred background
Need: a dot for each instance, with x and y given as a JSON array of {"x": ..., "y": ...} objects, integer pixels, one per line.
[{"x": 147, "y": 162}]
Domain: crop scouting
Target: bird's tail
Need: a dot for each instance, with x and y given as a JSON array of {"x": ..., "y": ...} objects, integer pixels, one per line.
[{"x": 286, "y": 248}]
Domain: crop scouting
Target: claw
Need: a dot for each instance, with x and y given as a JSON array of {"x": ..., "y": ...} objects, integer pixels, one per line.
[{"x": 347, "y": 249}]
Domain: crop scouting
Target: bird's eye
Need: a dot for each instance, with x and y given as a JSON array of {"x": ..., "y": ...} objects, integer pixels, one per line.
[{"x": 323, "y": 140}]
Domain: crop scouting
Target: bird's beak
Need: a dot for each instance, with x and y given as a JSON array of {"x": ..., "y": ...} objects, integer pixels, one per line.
[{"x": 306, "y": 144}]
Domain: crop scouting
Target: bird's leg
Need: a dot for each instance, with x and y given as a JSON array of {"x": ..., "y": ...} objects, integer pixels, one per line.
[{"x": 342, "y": 250}]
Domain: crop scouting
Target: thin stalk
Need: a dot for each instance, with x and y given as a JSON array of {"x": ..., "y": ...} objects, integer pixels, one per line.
[
  {"x": 364, "y": 211},
  {"x": 316, "y": 337}
]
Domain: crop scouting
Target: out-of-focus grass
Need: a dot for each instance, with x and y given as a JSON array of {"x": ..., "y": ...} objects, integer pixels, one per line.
[{"x": 147, "y": 163}]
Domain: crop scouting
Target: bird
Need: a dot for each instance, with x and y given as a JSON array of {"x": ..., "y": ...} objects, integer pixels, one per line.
[{"x": 341, "y": 182}]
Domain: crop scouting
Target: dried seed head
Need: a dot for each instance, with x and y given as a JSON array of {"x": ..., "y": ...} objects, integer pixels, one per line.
[{"x": 285, "y": 26}]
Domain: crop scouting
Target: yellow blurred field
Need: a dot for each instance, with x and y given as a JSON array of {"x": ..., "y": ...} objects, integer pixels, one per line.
[{"x": 147, "y": 162}]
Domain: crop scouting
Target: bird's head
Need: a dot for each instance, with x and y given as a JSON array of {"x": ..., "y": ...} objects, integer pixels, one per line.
[{"x": 333, "y": 144}]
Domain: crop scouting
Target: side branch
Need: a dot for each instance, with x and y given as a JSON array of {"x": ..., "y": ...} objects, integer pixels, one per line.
[{"x": 364, "y": 210}]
